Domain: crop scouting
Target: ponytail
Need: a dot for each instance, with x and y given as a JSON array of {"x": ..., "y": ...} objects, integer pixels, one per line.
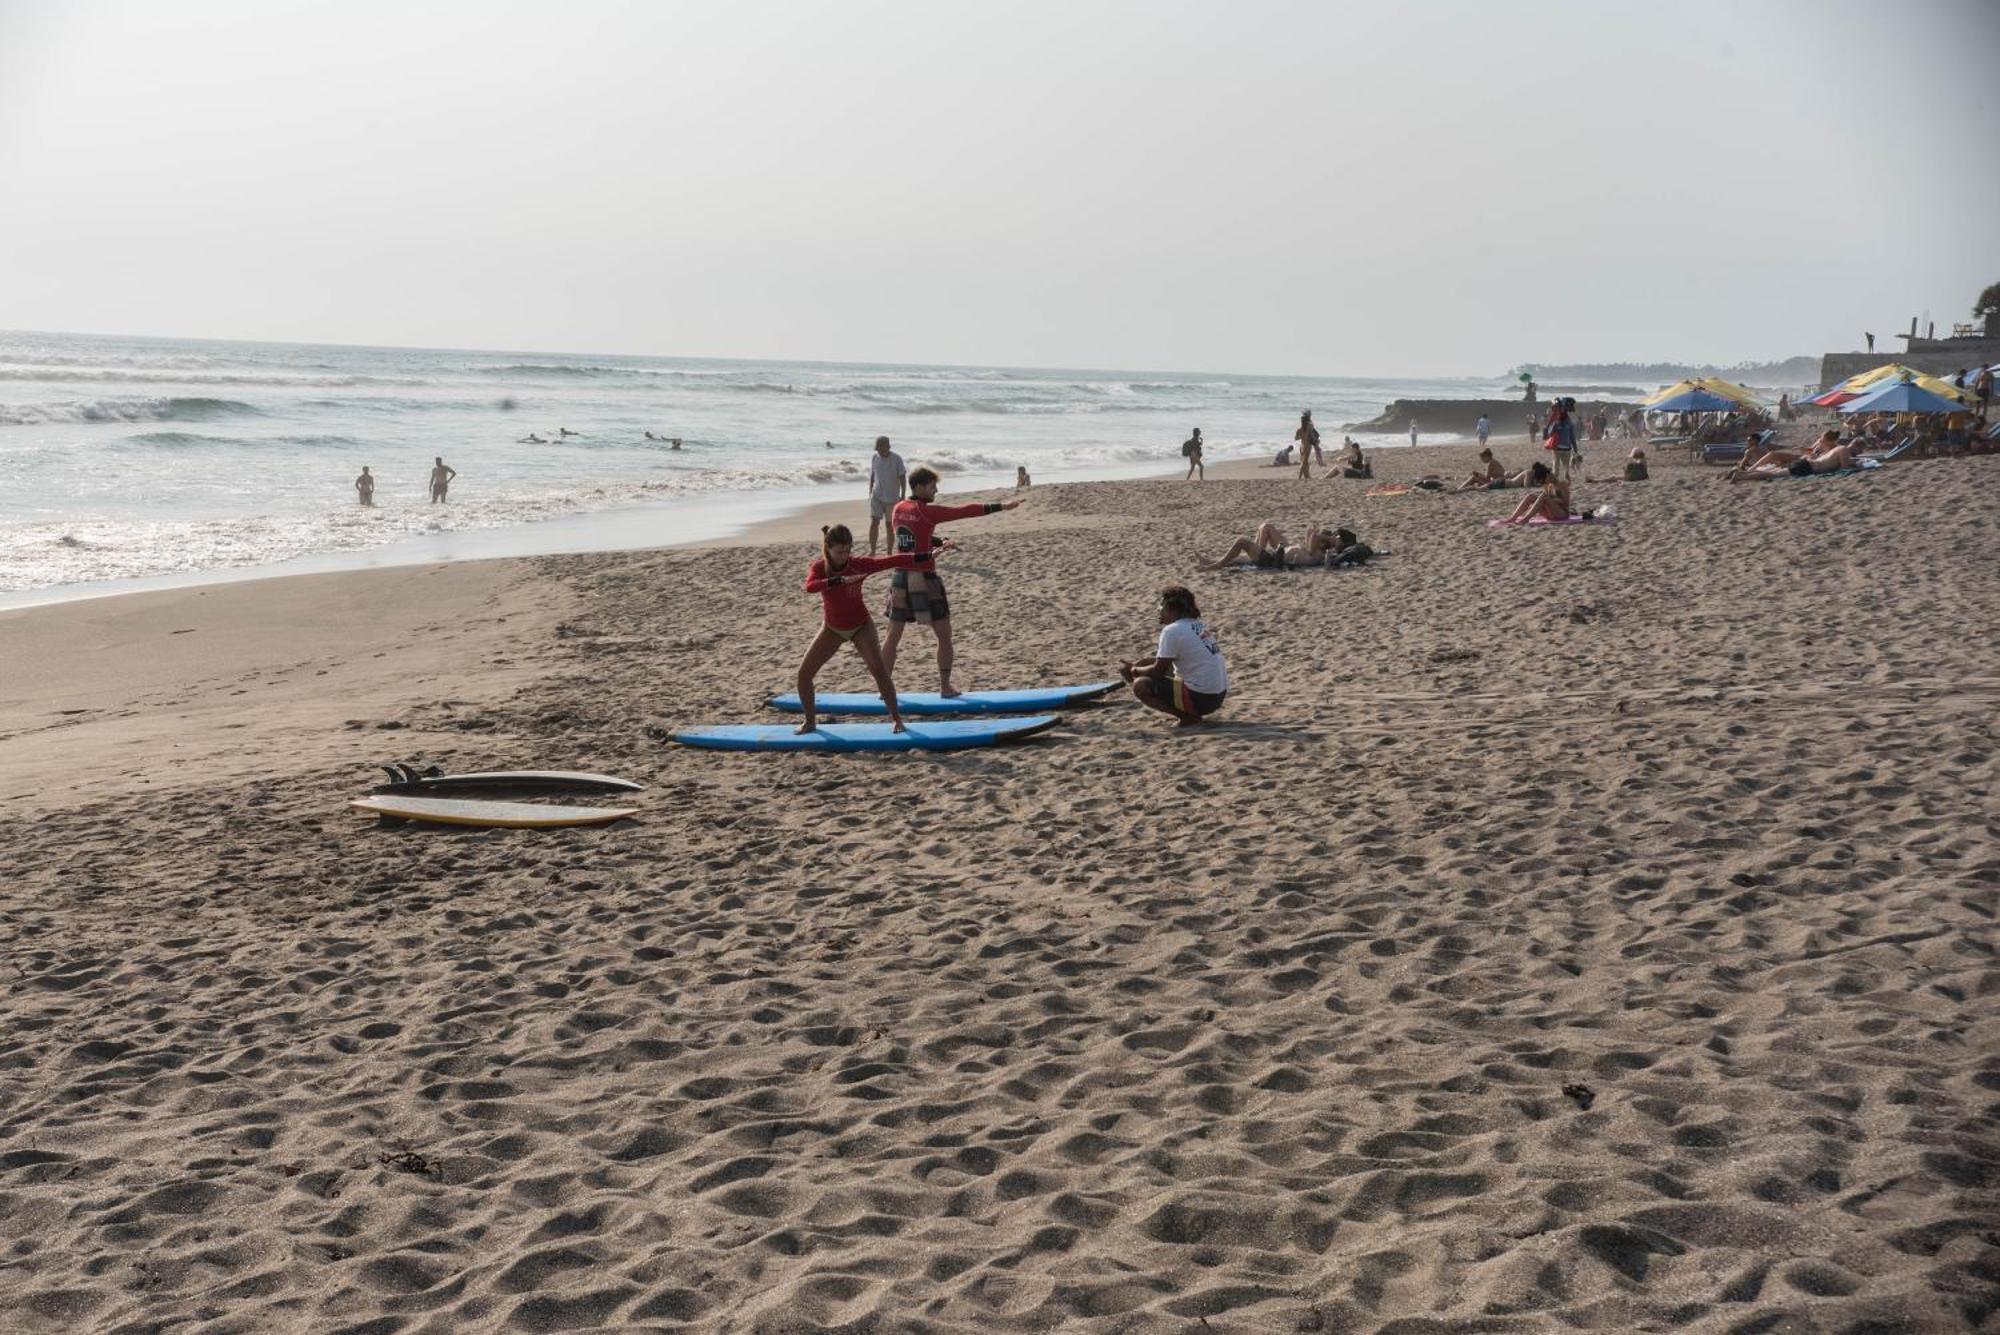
[{"x": 831, "y": 536}]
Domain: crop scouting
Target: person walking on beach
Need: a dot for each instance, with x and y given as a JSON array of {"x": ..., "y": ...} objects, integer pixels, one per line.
[
  {"x": 1561, "y": 437},
  {"x": 1484, "y": 426},
  {"x": 916, "y": 595},
  {"x": 1308, "y": 438},
  {"x": 441, "y": 475},
  {"x": 364, "y": 486},
  {"x": 1186, "y": 676},
  {"x": 836, "y": 575},
  {"x": 888, "y": 480},
  {"x": 1191, "y": 451},
  {"x": 1413, "y": 433}
]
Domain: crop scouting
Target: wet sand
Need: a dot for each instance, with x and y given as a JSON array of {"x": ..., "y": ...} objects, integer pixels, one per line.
[{"x": 1576, "y": 929}]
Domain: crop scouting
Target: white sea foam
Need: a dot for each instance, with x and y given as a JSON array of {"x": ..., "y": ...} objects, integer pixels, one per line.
[
  {"x": 123, "y": 410},
  {"x": 186, "y": 478}
]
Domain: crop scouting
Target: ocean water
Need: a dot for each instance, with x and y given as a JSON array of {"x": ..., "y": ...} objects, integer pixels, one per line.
[{"x": 127, "y": 458}]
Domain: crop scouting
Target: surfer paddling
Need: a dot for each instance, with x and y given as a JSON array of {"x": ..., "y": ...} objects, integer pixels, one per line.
[
  {"x": 836, "y": 575},
  {"x": 917, "y": 594}
]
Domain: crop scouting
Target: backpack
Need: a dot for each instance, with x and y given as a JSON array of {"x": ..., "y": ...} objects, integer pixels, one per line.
[{"x": 1187, "y": 449}]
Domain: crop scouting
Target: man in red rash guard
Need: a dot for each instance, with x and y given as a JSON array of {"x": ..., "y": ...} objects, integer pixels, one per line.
[{"x": 917, "y": 594}]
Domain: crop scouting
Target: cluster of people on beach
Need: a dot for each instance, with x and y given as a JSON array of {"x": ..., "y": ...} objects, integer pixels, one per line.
[
  {"x": 905, "y": 500},
  {"x": 442, "y": 474},
  {"x": 1186, "y": 675}
]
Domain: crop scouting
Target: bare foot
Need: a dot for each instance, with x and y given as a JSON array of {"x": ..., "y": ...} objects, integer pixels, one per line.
[
  {"x": 950, "y": 693},
  {"x": 899, "y": 727},
  {"x": 1193, "y": 723},
  {"x": 806, "y": 727}
]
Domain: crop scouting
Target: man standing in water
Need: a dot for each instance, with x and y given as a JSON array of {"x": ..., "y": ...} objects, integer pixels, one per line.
[
  {"x": 888, "y": 480},
  {"x": 1484, "y": 426},
  {"x": 364, "y": 486},
  {"x": 441, "y": 475}
]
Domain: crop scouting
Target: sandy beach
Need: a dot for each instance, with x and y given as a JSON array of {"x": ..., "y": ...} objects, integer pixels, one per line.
[{"x": 1584, "y": 929}]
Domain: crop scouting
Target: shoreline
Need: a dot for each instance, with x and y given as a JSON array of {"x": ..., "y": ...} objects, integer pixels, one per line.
[{"x": 723, "y": 520}]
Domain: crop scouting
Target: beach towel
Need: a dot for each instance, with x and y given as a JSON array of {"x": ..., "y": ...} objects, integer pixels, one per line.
[
  {"x": 1386, "y": 491},
  {"x": 1539, "y": 522},
  {"x": 1866, "y": 465}
]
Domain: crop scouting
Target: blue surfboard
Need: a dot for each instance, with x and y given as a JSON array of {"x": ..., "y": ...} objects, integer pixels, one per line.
[
  {"x": 916, "y": 703},
  {"x": 922, "y": 735}
]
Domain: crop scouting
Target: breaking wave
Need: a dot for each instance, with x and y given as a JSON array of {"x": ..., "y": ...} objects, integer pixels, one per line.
[{"x": 124, "y": 410}]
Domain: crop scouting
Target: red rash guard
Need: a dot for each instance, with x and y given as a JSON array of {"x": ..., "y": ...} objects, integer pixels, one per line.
[
  {"x": 840, "y": 594},
  {"x": 912, "y": 521}
]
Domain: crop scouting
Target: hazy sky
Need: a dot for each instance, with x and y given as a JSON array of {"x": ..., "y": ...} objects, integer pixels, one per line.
[{"x": 1322, "y": 188}]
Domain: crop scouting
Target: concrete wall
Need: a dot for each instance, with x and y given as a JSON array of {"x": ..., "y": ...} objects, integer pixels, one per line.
[{"x": 1835, "y": 367}]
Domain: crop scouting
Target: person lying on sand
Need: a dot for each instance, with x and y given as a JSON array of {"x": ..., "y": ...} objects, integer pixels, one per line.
[
  {"x": 1774, "y": 463},
  {"x": 1269, "y": 549},
  {"x": 1186, "y": 675},
  {"x": 1547, "y": 498},
  {"x": 836, "y": 575},
  {"x": 1827, "y": 440},
  {"x": 1489, "y": 476},
  {"x": 1831, "y": 459}
]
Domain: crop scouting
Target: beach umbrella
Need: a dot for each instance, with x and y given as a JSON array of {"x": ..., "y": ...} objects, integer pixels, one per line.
[
  {"x": 1730, "y": 389},
  {"x": 1856, "y": 385},
  {"x": 1901, "y": 396},
  {"x": 1695, "y": 399},
  {"x": 1738, "y": 396}
]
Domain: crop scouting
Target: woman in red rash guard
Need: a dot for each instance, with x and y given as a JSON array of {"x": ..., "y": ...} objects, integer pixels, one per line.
[
  {"x": 836, "y": 575},
  {"x": 917, "y": 594}
]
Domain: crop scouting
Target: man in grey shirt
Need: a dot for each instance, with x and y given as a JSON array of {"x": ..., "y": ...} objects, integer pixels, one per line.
[{"x": 888, "y": 482}]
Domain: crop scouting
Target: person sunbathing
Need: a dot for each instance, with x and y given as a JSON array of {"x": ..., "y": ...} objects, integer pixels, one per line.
[
  {"x": 1831, "y": 459},
  {"x": 1547, "y": 498},
  {"x": 1491, "y": 475},
  {"x": 1781, "y": 459},
  {"x": 1269, "y": 549},
  {"x": 1800, "y": 463}
]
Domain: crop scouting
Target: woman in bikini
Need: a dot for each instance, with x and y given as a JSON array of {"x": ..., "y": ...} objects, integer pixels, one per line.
[
  {"x": 1547, "y": 498},
  {"x": 836, "y": 575},
  {"x": 1269, "y": 549}
]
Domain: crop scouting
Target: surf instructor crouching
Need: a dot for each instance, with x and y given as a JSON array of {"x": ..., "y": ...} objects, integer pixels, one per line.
[
  {"x": 1186, "y": 676},
  {"x": 917, "y": 594}
]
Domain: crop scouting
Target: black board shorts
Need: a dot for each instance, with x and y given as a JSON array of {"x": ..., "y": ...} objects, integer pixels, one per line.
[{"x": 1198, "y": 703}]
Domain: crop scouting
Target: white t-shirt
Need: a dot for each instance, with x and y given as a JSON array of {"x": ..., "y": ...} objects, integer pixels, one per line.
[
  {"x": 1190, "y": 645},
  {"x": 1482, "y": 426},
  {"x": 885, "y": 476}
]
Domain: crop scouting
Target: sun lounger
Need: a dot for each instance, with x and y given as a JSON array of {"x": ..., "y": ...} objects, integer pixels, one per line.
[
  {"x": 1730, "y": 451},
  {"x": 1886, "y": 456}
]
